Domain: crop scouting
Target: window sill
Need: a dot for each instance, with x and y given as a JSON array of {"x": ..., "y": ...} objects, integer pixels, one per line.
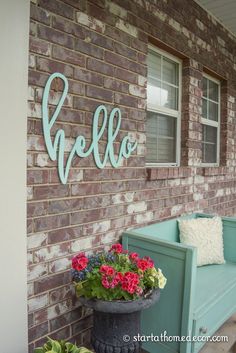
[
  {"x": 160, "y": 173},
  {"x": 211, "y": 171}
]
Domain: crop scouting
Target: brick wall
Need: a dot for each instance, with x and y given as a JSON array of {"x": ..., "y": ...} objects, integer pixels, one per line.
[{"x": 101, "y": 47}]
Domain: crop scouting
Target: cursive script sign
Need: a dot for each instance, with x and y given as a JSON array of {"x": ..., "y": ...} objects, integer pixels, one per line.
[{"x": 56, "y": 148}]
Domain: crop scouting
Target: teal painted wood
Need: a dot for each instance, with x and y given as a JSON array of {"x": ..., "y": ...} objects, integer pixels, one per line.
[
  {"x": 167, "y": 230},
  {"x": 176, "y": 262},
  {"x": 193, "y": 297},
  {"x": 101, "y": 121},
  {"x": 218, "y": 311},
  {"x": 212, "y": 282}
]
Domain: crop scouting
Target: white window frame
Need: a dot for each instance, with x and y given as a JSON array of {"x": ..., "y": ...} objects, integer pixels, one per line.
[
  {"x": 213, "y": 123},
  {"x": 167, "y": 111}
]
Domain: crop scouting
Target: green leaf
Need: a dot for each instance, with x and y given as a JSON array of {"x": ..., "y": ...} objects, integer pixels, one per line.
[
  {"x": 55, "y": 346},
  {"x": 69, "y": 346},
  {"x": 39, "y": 350}
]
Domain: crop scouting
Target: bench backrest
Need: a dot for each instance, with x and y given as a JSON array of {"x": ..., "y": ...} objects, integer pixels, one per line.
[{"x": 167, "y": 230}]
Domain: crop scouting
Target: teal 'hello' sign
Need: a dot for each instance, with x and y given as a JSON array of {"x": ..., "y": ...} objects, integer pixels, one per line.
[{"x": 56, "y": 148}]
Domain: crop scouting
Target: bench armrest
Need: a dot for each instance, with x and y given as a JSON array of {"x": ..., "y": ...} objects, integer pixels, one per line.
[
  {"x": 178, "y": 263},
  {"x": 229, "y": 238}
]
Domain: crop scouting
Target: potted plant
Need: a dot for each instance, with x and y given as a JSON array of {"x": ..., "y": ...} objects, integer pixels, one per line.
[
  {"x": 54, "y": 346},
  {"x": 117, "y": 285}
]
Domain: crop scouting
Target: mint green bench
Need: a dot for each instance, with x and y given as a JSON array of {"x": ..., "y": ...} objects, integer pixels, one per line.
[{"x": 196, "y": 300}]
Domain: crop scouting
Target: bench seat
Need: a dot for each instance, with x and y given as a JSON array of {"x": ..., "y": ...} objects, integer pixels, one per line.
[{"x": 212, "y": 282}]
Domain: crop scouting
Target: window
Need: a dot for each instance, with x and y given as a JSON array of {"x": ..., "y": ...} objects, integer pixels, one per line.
[
  {"x": 163, "y": 105},
  {"x": 210, "y": 120}
]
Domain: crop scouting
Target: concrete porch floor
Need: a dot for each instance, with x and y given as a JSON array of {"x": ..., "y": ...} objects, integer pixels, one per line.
[{"x": 228, "y": 329}]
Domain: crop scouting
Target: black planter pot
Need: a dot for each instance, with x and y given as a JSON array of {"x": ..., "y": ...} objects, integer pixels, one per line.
[{"x": 116, "y": 323}]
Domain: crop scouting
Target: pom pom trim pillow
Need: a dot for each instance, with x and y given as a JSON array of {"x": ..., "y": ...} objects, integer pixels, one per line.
[{"x": 206, "y": 234}]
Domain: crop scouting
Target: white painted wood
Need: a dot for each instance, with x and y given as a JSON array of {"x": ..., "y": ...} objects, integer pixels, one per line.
[{"x": 14, "y": 37}]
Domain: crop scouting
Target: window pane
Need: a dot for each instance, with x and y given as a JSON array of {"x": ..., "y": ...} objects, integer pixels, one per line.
[
  {"x": 169, "y": 97},
  {"x": 170, "y": 71},
  {"x": 204, "y": 108},
  {"x": 154, "y": 65},
  {"x": 204, "y": 88},
  {"x": 213, "y": 111},
  {"x": 154, "y": 92},
  {"x": 151, "y": 137},
  {"x": 209, "y": 144},
  {"x": 161, "y": 138},
  {"x": 213, "y": 91}
]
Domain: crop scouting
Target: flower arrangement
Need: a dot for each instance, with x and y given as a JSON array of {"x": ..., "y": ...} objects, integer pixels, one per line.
[{"x": 115, "y": 275}]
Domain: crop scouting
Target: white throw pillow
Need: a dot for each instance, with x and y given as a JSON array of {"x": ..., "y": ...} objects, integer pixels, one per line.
[{"x": 206, "y": 234}]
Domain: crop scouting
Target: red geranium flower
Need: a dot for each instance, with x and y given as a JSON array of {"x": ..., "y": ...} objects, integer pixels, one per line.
[
  {"x": 150, "y": 261},
  {"x": 107, "y": 270},
  {"x": 105, "y": 282},
  {"x": 117, "y": 248},
  {"x": 142, "y": 264},
  {"x": 145, "y": 263},
  {"x": 133, "y": 256},
  {"x": 79, "y": 262},
  {"x": 130, "y": 282}
]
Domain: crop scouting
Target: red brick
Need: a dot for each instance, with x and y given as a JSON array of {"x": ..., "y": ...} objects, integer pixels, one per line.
[
  {"x": 68, "y": 56},
  {"x": 80, "y": 325},
  {"x": 99, "y": 93},
  {"x": 64, "y": 25},
  {"x": 64, "y": 234},
  {"x": 87, "y": 104},
  {"x": 33, "y": 28},
  {"x": 38, "y": 331},
  {"x": 125, "y": 51},
  {"x": 54, "y": 36},
  {"x": 37, "y": 78},
  {"x": 119, "y": 60},
  {"x": 39, "y": 14},
  {"x": 60, "y": 206},
  {"x": 66, "y": 319},
  {"x": 30, "y": 226},
  {"x": 40, "y": 47},
  {"x": 99, "y": 40},
  {"x": 48, "y": 283},
  {"x": 58, "y": 7},
  {"x": 54, "y": 66},
  {"x": 35, "y": 176},
  {"x": 51, "y": 222},
  {"x": 35, "y": 209},
  {"x": 62, "y": 293},
  {"x": 97, "y": 12},
  {"x": 80, "y": 5},
  {"x": 71, "y": 116},
  {"x": 99, "y": 66},
  {"x": 87, "y": 76},
  {"x": 89, "y": 49},
  {"x": 116, "y": 85},
  {"x": 139, "y": 45},
  {"x": 97, "y": 201},
  {"x": 118, "y": 35},
  {"x": 47, "y": 192},
  {"x": 86, "y": 216},
  {"x": 124, "y": 99},
  {"x": 125, "y": 75}
]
